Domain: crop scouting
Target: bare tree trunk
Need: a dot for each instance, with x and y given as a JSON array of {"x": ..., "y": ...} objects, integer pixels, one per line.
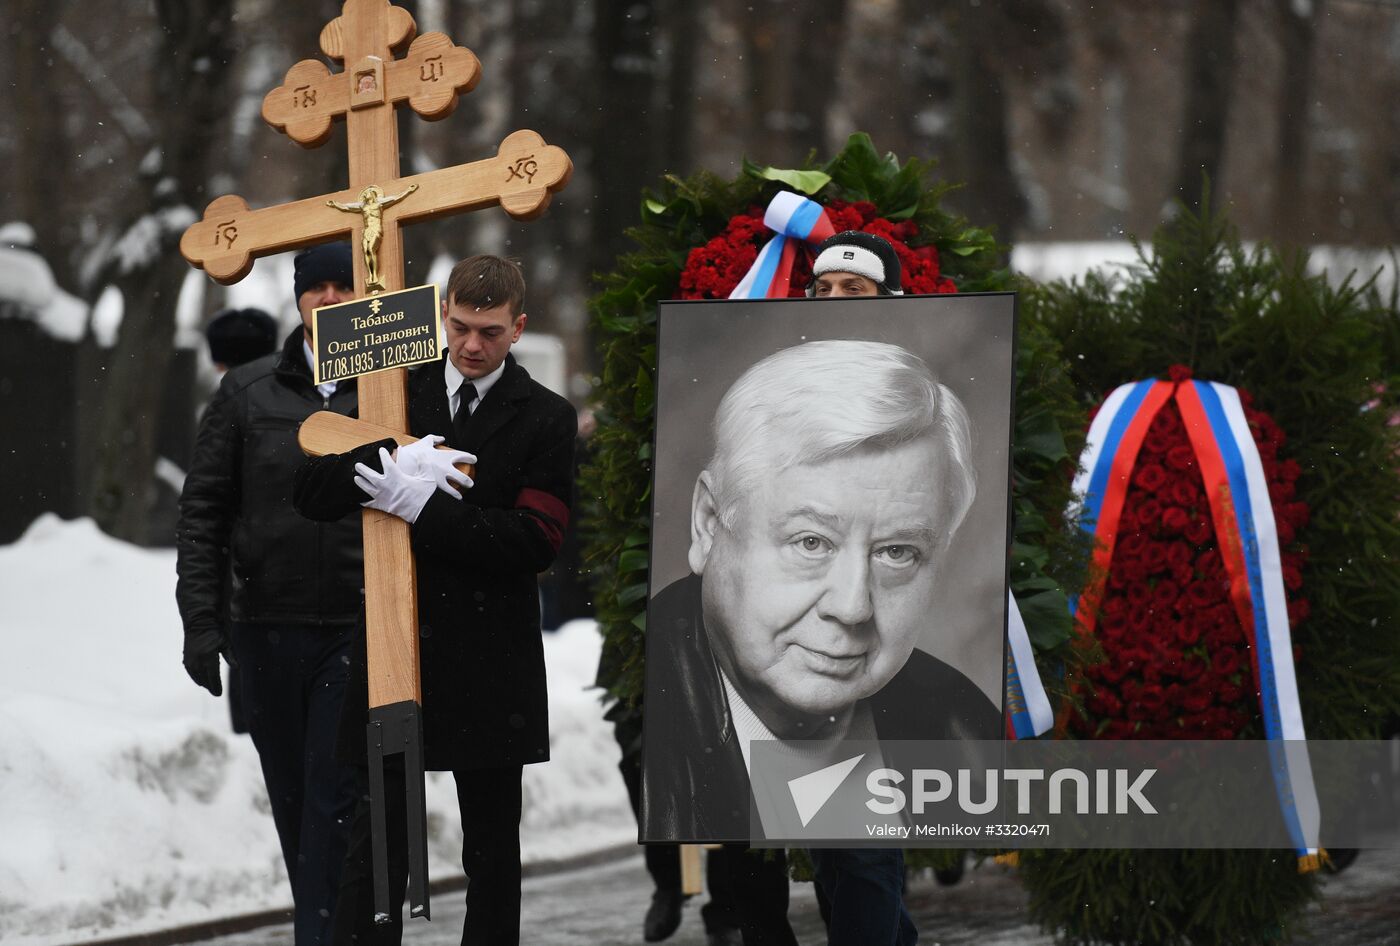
[
  {"x": 813, "y": 75},
  {"x": 1298, "y": 33},
  {"x": 625, "y": 152},
  {"x": 191, "y": 88},
  {"x": 992, "y": 196},
  {"x": 1210, "y": 74},
  {"x": 37, "y": 185},
  {"x": 683, "y": 28}
]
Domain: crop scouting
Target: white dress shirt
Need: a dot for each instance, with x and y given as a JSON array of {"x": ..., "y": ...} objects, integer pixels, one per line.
[{"x": 454, "y": 379}]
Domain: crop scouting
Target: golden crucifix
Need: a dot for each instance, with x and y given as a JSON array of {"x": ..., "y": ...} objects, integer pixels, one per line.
[
  {"x": 371, "y": 206},
  {"x": 521, "y": 178}
]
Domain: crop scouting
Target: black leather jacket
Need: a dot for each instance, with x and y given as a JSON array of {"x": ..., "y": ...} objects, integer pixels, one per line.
[
  {"x": 695, "y": 786},
  {"x": 236, "y": 507}
]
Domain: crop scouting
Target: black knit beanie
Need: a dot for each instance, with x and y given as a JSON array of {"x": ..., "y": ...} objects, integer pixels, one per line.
[
  {"x": 865, "y": 254},
  {"x": 237, "y": 336},
  {"x": 318, "y": 264}
]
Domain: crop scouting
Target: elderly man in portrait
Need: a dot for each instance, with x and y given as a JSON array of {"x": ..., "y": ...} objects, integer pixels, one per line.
[{"x": 841, "y": 471}]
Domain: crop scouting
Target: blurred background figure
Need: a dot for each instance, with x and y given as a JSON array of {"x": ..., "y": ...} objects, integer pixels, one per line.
[{"x": 237, "y": 336}]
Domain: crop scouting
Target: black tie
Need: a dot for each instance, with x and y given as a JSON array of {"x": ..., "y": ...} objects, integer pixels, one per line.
[{"x": 465, "y": 395}]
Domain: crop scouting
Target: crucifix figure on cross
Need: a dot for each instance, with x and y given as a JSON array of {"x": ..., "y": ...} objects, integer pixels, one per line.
[
  {"x": 522, "y": 177},
  {"x": 371, "y": 205}
]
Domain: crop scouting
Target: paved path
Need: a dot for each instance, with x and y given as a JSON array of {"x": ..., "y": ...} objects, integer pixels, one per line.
[{"x": 603, "y": 906}]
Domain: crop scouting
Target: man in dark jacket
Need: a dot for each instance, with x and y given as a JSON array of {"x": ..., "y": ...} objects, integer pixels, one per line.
[
  {"x": 286, "y": 616},
  {"x": 478, "y": 554}
]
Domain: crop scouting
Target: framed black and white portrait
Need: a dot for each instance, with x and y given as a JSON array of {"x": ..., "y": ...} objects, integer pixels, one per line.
[{"x": 829, "y": 538}]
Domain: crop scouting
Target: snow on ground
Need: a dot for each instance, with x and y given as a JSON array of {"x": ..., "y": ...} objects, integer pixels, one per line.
[{"x": 126, "y": 802}]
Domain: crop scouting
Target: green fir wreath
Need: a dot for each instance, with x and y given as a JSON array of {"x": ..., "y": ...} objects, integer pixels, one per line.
[{"x": 1321, "y": 360}]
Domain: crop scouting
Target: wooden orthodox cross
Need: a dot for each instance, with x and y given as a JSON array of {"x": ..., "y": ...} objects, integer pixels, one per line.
[{"x": 522, "y": 177}]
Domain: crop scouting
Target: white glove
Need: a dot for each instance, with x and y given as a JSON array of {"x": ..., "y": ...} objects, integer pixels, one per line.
[
  {"x": 422, "y": 458},
  {"x": 394, "y": 491}
]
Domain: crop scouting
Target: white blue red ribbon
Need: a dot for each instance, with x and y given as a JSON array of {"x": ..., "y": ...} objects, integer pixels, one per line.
[
  {"x": 795, "y": 220},
  {"x": 1247, "y": 537},
  {"x": 1028, "y": 710}
]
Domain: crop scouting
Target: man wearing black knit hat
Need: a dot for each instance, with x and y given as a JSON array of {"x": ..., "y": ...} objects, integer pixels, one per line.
[
  {"x": 855, "y": 263},
  {"x": 287, "y": 616}
]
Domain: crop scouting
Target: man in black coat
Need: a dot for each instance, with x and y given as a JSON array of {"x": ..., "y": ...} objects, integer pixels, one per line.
[
  {"x": 275, "y": 593},
  {"x": 478, "y": 554}
]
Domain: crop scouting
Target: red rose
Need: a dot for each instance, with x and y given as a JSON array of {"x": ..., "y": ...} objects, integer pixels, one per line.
[
  {"x": 1298, "y": 611},
  {"x": 1196, "y": 699},
  {"x": 1155, "y": 558},
  {"x": 1201, "y": 594},
  {"x": 1149, "y": 476},
  {"x": 1222, "y": 635},
  {"x": 1226, "y": 661},
  {"x": 1152, "y": 698},
  {"x": 1164, "y": 594},
  {"x": 1139, "y": 595},
  {"x": 1129, "y": 546},
  {"x": 1134, "y": 570},
  {"x": 1168, "y": 420},
  {"x": 1140, "y": 617},
  {"x": 1155, "y": 444},
  {"x": 1296, "y": 513},
  {"x": 1149, "y": 512},
  {"x": 1187, "y": 633},
  {"x": 1199, "y": 532},
  {"x": 1190, "y": 669},
  {"x": 1181, "y": 458},
  {"x": 1186, "y": 493},
  {"x": 1175, "y": 520}
]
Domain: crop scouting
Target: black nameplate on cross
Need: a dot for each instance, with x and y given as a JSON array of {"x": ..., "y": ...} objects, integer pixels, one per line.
[{"x": 390, "y": 330}]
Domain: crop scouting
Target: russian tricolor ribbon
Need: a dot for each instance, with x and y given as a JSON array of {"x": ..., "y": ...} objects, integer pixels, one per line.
[
  {"x": 1028, "y": 710},
  {"x": 794, "y": 220},
  {"x": 1247, "y": 536}
]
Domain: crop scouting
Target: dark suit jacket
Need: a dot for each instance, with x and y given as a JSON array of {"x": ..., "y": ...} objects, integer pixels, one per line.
[
  {"x": 482, "y": 659},
  {"x": 695, "y": 786}
]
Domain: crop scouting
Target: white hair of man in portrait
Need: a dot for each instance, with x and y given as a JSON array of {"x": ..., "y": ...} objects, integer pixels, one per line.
[
  {"x": 841, "y": 471},
  {"x": 829, "y": 398}
]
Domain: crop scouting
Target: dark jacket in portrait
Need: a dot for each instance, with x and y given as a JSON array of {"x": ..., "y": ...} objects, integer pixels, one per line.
[
  {"x": 482, "y": 658},
  {"x": 244, "y": 554},
  {"x": 695, "y": 784}
]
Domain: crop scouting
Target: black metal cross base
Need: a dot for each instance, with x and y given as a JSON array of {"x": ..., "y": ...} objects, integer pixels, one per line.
[{"x": 393, "y": 729}]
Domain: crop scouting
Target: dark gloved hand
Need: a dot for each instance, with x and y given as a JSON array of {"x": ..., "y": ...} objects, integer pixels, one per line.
[{"x": 202, "y": 650}]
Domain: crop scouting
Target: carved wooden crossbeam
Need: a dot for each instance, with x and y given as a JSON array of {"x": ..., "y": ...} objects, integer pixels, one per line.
[{"x": 522, "y": 177}]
